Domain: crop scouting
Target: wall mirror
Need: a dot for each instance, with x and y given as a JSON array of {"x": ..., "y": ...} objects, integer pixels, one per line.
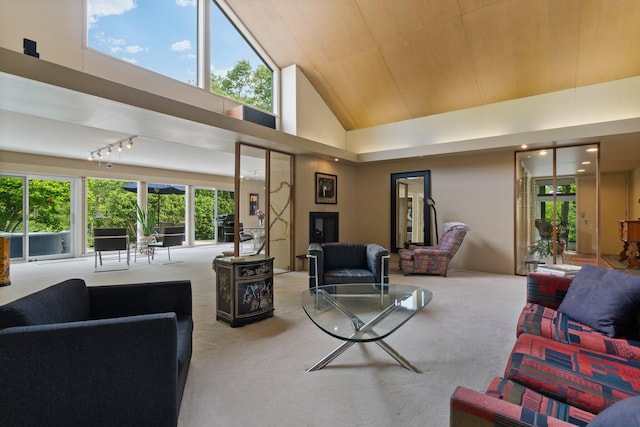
[
  {"x": 410, "y": 214},
  {"x": 556, "y": 205}
]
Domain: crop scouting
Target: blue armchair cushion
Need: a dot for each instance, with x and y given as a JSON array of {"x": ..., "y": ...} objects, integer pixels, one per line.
[
  {"x": 67, "y": 301},
  {"x": 606, "y": 300},
  {"x": 623, "y": 413}
]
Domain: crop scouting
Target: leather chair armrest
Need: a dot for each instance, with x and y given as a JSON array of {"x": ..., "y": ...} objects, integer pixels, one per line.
[
  {"x": 316, "y": 261},
  {"x": 109, "y": 371}
]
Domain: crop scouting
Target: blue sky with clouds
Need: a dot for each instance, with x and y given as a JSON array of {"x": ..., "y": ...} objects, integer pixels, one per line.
[{"x": 161, "y": 35}]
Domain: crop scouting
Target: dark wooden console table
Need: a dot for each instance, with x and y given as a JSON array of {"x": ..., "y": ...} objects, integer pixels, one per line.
[
  {"x": 244, "y": 289},
  {"x": 630, "y": 234}
]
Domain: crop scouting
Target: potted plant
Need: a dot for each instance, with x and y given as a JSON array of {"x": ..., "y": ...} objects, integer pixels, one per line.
[
  {"x": 542, "y": 249},
  {"x": 146, "y": 225}
]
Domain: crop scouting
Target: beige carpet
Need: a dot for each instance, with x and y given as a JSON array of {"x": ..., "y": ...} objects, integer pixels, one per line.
[{"x": 255, "y": 375}]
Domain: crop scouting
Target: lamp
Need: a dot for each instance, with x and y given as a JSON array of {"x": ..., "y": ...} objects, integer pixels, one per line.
[
  {"x": 109, "y": 148},
  {"x": 432, "y": 205}
]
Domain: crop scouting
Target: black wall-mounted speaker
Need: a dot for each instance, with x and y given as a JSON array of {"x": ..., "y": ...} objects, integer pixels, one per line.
[{"x": 30, "y": 48}]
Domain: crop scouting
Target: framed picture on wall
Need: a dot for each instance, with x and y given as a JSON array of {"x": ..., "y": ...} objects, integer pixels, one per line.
[
  {"x": 253, "y": 203},
  {"x": 326, "y": 188}
]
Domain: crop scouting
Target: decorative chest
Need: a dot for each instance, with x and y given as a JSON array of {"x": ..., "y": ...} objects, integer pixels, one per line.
[{"x": 244, "y": 289}]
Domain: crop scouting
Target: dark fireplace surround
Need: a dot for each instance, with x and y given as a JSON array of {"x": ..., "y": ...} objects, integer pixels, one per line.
[{"x": 323, "y": 227}]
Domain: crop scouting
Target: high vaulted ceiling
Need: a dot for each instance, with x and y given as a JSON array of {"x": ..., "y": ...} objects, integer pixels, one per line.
[{"x": 382, "y": 61}]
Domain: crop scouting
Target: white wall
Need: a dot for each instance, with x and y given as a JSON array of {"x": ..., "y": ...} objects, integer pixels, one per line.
[
  {"x": 474, "y": 188},
  {"x": 589, "y": 111},
  {"x": 304, "y": 112},
  {"x": 346, "y": 206}
]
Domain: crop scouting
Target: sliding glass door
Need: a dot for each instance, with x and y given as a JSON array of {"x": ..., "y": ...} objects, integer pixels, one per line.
[{"x": 36, "y": 216}]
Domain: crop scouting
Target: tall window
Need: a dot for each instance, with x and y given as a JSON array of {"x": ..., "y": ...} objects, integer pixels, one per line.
[
  {"x": 160, "y": 35},
  {"x": 237, "y": 71}
]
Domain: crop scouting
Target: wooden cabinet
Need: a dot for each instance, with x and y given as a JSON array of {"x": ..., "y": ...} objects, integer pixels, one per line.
[
  {"x": 629, "y": 234},
  {"x": 244, "y": 289}
]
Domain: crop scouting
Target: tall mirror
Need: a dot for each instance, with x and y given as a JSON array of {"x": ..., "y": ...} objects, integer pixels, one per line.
[
  {"x": 556, "y": 207},
  {"x": 411, "y": 215},
  {"x": 251, "y": 201}
]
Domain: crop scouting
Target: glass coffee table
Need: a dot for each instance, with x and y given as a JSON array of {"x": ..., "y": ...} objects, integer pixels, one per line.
[{"x": 359, "y": 313}]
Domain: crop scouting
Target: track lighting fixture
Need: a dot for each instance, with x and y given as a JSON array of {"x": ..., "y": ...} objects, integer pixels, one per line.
[{"x": 97, "y": 154}]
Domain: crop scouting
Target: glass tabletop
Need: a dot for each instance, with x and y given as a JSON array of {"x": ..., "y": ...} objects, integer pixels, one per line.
[{"x": 361, "y": 312}]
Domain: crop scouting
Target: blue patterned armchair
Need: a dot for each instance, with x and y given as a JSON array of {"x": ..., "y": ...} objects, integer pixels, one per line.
[{"x": 433, "y": 259}]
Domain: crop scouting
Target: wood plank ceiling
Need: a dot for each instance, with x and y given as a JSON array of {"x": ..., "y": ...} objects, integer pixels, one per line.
[{"x": 382, "y": 61}]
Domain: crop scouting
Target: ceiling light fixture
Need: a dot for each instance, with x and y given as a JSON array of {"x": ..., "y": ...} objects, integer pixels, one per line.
[{"x": 109, "y": 148}]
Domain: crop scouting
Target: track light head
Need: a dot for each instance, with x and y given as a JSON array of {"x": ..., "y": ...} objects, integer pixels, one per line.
[{"x": 130, "y": 143}]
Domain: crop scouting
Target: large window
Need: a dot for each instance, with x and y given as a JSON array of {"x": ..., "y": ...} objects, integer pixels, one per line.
[
  {"x": 163, "y": 36},
  {"x": 35, "y": 214},
  {"x": 160, "y": 35},
  {"x": 237, "y": 71}
]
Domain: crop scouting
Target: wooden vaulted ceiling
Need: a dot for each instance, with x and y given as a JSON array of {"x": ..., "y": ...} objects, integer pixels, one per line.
[{"x": 382, "y": 61}]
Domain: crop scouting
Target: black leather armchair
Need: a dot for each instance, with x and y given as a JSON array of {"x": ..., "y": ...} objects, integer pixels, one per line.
[{"x": 333, "y": 263}]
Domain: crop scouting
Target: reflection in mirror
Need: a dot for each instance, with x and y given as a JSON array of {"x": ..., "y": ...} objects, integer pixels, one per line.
[
  {"x": 410, "y": 215},
  {"x": 556, "y": 207},
  {"x": 251, "y": 201}
]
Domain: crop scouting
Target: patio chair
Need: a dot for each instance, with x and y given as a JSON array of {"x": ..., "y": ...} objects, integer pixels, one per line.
[
  {"x": 173, "y": 236},
  {"x": 245, "y": 235},
  {"x": 110, "y": 239},
  {"x": 434, "y": 259}
]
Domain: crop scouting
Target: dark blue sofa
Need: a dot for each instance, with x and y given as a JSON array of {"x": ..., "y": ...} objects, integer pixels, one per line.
[
  {"x": 347, "y": 263},
  {"x": 105, "y": 355}
]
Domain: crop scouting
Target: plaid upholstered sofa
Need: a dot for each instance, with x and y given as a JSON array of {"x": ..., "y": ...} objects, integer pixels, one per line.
[
  {"x": 561, "y": 371},
  {"x": 433, "y": 259},
  {"x": 73, "y": 355}
]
